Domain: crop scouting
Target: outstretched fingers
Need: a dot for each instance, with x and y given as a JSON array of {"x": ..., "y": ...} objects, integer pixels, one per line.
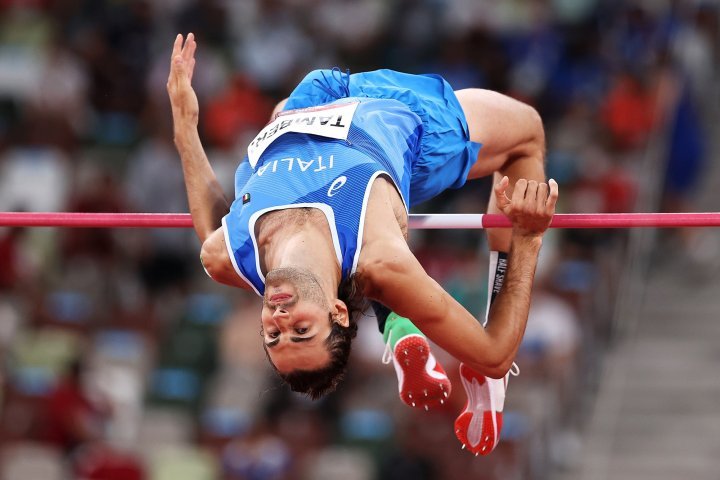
[
  {"x": 183, "y": 100},
  {"x": 188, "y": 54},
  {"x": 177, "y": 46},
  {"x": 189, "y": 48},
  {"x": 182, "y": 64},
  {"x": 177, "y": 70}
]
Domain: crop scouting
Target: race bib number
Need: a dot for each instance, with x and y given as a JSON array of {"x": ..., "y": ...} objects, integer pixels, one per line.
[{"x": 331, "y": 121}]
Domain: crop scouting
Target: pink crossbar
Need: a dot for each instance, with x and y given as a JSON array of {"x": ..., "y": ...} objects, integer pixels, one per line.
[{"x": 417, "y": 221}]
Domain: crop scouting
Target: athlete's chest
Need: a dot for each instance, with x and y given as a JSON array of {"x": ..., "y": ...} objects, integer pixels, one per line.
[{"x": 384, "y": 210}]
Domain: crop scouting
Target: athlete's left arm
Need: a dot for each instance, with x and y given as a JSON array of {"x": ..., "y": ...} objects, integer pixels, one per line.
[{"x": 205, "y": 195}]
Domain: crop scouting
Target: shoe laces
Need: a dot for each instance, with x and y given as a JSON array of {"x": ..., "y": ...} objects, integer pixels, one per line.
[{"x": 387, "y": 354}]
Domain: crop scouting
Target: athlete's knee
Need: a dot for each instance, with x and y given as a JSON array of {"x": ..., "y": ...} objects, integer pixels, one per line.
[
  {"x": 535, "y": 123},
  {"x": 530, "y": 146}
]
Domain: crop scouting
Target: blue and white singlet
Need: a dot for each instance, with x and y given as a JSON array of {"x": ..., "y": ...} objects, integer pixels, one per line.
[{"x": 293, "y": 163}]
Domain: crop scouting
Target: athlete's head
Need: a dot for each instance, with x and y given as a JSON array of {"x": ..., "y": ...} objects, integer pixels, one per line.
[{"x": 306, "y": 333}]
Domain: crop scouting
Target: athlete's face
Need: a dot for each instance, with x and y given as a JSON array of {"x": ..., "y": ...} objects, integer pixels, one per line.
[{"x": 295, "y": 321}]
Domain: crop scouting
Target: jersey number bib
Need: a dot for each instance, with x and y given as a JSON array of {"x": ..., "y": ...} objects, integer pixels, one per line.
[{"x": 331, "y": 121}]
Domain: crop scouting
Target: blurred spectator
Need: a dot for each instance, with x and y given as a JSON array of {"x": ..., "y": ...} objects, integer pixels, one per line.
[
  {"x": 73, "y": 417},
  {"x": 35, "y": 172},
  {"x": 630, "y": 111},
  {"x": 258, "y": 457},
  {"x": 101, "y": 462},
  {"x": 62, "y": 87},
  {"x": 10, "y": 258},
  {"x": 10, "y": 323},
  {"x": 241, "y": 107},
  {"x": 686, "y": 154},
  {"x": 208, "y": 19},
  {"x": 154, "y": 183},
  {"x": 276, "y": 49},
  {"x": 97, "y": 192},
  {"x": 694, "y": 42},
  {"x": 552, "y": 332}
]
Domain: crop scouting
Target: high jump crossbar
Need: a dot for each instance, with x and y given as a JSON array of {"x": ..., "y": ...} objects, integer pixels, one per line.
[{"x": 417, "y": 221}]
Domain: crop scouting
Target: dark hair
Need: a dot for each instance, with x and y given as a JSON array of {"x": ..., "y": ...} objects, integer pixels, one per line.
[{"x": 316, "y": 383}]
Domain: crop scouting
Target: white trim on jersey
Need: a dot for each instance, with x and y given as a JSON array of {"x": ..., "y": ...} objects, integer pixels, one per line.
[
  {"x": 361, "y": 226},
  {"x": 325, "y": 209},
  {"x": 232, "y": 257},
  {"x": 329, "y": 124}
]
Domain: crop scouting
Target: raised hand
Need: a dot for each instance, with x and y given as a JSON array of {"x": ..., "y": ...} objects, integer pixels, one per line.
[
  {"x": 184, "y": 103},
  {"x": 531, "y": 207}
]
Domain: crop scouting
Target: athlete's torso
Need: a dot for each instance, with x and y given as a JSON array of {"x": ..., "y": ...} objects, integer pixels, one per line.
[{"x": 333, "y": 178}]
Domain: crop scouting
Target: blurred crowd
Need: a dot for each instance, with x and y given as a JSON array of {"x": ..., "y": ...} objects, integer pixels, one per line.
[{"x": 119, "y": 359}]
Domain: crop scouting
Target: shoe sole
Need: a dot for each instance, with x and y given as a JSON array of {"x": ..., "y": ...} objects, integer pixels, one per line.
[
  {"x": 423, "y": 385},
  {"x": 475, "y": 427}
]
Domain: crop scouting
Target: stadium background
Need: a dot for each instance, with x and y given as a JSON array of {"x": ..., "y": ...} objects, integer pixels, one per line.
[{"x": 121, "y": 360}]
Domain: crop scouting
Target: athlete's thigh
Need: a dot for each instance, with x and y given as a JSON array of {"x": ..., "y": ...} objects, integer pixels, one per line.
[{"x": 495, "y": 120}]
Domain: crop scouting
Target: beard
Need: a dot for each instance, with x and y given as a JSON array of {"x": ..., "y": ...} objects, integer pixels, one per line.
[{"x": 305, "y": 283}]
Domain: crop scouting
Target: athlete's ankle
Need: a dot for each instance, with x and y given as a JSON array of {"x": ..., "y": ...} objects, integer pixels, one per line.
[{"x": 397, "y": 327}]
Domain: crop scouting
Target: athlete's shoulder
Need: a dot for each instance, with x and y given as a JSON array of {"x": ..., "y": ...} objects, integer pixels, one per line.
[{"x": 217, "y": 262}]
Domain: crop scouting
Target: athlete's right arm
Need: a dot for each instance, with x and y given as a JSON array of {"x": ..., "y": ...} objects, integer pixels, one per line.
[
  {"x": 207, "y": 201},
  {"x": 399, "y": 282}
]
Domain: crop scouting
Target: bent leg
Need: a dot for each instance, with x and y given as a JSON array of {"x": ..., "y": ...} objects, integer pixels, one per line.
[
  {"x": 422, "y": 381},
  {"x": 513, "y": 144}
]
